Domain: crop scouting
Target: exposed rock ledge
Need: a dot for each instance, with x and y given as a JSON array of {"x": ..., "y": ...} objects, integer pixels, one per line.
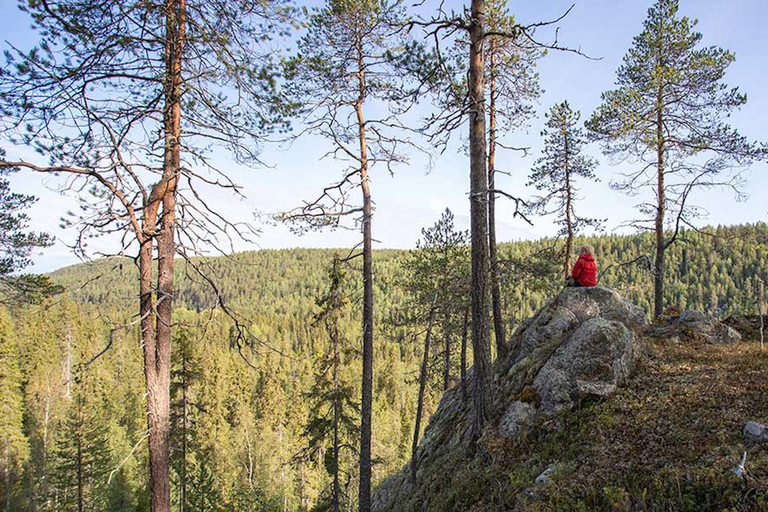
[{"x": 582, "y": 345}]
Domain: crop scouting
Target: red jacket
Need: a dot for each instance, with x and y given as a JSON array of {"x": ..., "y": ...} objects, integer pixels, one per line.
[{"x": 585, "y": 271}]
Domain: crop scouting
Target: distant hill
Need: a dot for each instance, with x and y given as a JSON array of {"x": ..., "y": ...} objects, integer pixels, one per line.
[{"x": 704, "y": 272}]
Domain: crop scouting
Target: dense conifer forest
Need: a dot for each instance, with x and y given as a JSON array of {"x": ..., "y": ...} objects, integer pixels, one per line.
[{"x": 241, "y": 414}]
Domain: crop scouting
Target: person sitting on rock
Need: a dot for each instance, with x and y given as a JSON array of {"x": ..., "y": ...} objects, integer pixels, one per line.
[{"x": 585, "y": 270}]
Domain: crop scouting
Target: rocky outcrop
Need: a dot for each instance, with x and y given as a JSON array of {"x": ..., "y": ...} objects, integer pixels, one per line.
[
  {"x": 746, "y": 325},
  {"x": 693, "y": 326},
  {"x": 583, "y": 345}
]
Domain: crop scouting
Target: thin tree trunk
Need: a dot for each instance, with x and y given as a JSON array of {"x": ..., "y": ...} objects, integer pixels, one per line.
[
  {"x": 158, "y": 389},
  {"x": 184, "y": 432},
  {"x": 479, "y": 223},
  {"x": 658, "y": 276},
  {"x": 422, "y": 388},
  {"x": 463, "y": 368},
  {"x": 336, "y": 409},
  {"x": 760, "y": 289},
  {"x": 366, "y": 403},
  {"x": 79, "y": 441},
  {"x": 568, "y": 207},
  {"x": 498, "y": 322},
  {"x": 68, "y": 364},
  {"x": 446, "y": 355}
]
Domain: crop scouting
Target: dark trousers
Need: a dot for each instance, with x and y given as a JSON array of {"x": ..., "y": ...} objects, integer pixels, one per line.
[{"x": 570, "y": 282}]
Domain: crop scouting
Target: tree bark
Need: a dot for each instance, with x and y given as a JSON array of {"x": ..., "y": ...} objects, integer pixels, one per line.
[
  {"x": 463, "y": 365},
  {"x": 568, "y": 207},
  {"x": 422, "y": 388},
  {"x": 79, "y": 461},
  {"x": 760, "y": 289},
  {"x": 661, "y": 205},
  {"x": 183, "y": 483},
  {"x": 498, "y": 322},
  {"x": 158, "y": 355},
  {"x": 336, "y": 411},
  {"x": 366, "y": 403},
  {"x": 479, "y": 223},
  {"x": 446, "y": 355}
]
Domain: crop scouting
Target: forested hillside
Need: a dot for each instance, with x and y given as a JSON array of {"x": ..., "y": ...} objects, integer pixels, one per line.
[{"x": 247, "y": 414}]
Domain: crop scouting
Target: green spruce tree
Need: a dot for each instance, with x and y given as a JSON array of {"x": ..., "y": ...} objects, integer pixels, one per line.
[{"x": 332, "y": 423}]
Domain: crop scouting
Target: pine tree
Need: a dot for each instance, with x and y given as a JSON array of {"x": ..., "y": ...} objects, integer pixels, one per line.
[
  {"x": 556, "y": 173},
  {"x": 438, "y": 277},
  {"x": 513, "y": 85},
  {"x": 344, "y": 75},
  {"x": 667, "y": 115}
]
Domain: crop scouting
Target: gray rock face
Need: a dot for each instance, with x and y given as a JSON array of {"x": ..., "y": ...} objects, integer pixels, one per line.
[
  {"x": 695, "y": 326},
  {"x": 519, "y": 416},
  {"x": 581, "y": 345},
  {"x": 755, "y": 433},
  {"x": 595, "y": 359}
]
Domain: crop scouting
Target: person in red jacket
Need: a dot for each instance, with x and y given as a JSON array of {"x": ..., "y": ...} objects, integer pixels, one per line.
[{"x": 585, "y": 270}]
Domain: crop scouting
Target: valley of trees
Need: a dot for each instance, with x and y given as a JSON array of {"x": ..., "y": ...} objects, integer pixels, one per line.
[
  {"x": 245, "y": 432},
  {"x": 158, "y": 377}
]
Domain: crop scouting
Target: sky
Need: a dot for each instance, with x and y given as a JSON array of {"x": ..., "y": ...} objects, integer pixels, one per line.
[{"x": 416, "y": 194}]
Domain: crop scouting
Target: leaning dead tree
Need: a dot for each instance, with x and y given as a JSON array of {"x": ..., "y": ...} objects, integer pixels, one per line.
[{"x": 123, "y": 99}]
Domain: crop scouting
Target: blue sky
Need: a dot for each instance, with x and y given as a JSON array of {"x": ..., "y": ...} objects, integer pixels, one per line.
[{"x": 414, "y": 197}]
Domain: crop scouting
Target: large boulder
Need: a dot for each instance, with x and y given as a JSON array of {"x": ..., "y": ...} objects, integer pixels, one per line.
[
  {"x": 583, "y": 345},
  {"x": 693, "y": 326}
]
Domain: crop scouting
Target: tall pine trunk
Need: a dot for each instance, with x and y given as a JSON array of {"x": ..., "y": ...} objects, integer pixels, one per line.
[
  {"x": 366, "y": 403},
  {"x": 498, "y": 323},
  {"x": 479, "y": 223},
  {"x": 158, "y": 354}
]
